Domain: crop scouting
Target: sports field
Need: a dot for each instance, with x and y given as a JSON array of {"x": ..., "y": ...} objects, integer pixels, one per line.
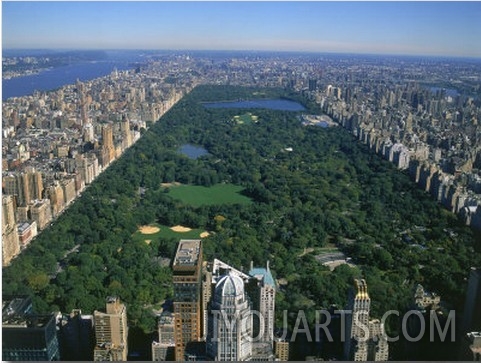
[
  {"x": 154, "y": 231},
  {"x": 197, "y": 196}
]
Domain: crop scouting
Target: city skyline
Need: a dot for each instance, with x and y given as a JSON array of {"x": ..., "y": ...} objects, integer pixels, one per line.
[{"x": 410, "y": 28}]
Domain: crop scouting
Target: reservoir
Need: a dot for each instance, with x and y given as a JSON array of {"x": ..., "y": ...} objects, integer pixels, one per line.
[
  {"x": 278, "y": 105},
  {"x": 192, "y": 151}
]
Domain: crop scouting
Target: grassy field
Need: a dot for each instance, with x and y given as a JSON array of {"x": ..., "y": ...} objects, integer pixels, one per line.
[
  {"x": 247, "y": 118},
  {"x": 166, "y": 232},
  {"x": 217, "y": 194}
]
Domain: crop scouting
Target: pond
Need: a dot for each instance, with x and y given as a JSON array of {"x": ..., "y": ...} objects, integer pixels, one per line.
[{"x": 192, "y": 151}]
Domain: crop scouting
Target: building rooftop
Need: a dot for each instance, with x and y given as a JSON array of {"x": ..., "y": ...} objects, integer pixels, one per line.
[
  {"x": 15, "y": 306},
  {"x": 220, "y": 268},
  {"x": 187, "y": 252},
  {"x": 30, "y": 321},
  {"x": 361, "y": 287},
  {"x": 263, "y": 274}
]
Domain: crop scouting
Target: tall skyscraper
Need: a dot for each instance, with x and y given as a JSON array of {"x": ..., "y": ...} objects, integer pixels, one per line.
[
  {"x": 366, "y": 339},
  {"x": 356, "y": 347},
  {"x": 163, "y": 350},
  {"x": 265, "y": 300},
  {"x": 230, "y": 321},
  {"x": 472, "y": 307},
  {"x": 108, "y": 148},
  {"x": 10, "y": 239},
  {"x": 26, "y": 187},
  {"x": 378, "y": 348},
  {"x": 76, "y": 336},
  {"x": 188, "y": 314},
  {"x": 111, "y": 332},
  {"x": 126, "y": 134},
  {"x": 27, "y": 336}
]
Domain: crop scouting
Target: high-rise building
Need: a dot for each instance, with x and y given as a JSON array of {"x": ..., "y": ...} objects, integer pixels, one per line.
[
  {"x": 471, "y": 347},
  {"x": 126, "y": 133},
  {"x": 163, "y": 350},
  {"x": 259, "y": 287},
  {"x": 230, "y": 321},
  {"x": 378, "y": 348},
  {"x": 111, "y": 332},
  {"x": 26, "y": 187},
  {"x": 27, "y": 336},
  {"x": 264, "y": 303},
  {"x": 366, "y": 339},
  {"x": 355, "y": 347},
  {"x": 206, "y": 294},
  {"x": 281, "y": 349},
  {"x": 76, "y": 336},
  {"x": 41, "y": 213},
  {"x": 188, "y": 314},
  {"x": 10, "y": 239},
  {"x": 108, "y": 148},
  {"x": 472, "y": 307}
]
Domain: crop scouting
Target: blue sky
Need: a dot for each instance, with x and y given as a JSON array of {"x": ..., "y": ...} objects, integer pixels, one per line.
[{"x": 428, "y": 28}]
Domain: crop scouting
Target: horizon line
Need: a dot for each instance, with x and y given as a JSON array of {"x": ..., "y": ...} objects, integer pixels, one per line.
[{"x": 338, "y": 52}]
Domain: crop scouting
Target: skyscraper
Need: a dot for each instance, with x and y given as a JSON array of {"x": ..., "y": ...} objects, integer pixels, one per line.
[
  {"x": 10, "y": 239},
  {"x": 163, "y": 350},
  {"x": 26, "y": 186},
  {"x": 27, "y": 336},
  {"x": 188, "y": 314},
  {"x": 378, "y": 348},
  {"x": 355, "y": 347},
  {"x": 264, "y": 299},
  {"x": 111, "y": 332},
  {"x": 366, "y": 339},
  {"x": 230, "y": 321},
  {"x": 472, "y": 307},
  {"x": 76, "y": 336},
  {"x": 108, "y": 148}
]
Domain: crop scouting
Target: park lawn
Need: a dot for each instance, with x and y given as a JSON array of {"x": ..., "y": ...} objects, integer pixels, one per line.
[
  {"x": 197, "y": 196},
  {"x": 166, "y": 232},
  {"x": 247, "y": 118}
]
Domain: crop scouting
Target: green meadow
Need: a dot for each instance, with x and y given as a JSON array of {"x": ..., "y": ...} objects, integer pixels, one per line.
[
  {"x": 247, "y": 118},
  {"x": 167, "y": 233},
  {"x": 197, "y": 196}
]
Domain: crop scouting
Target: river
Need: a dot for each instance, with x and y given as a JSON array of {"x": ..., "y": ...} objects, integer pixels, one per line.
[{"x": 60, "y": 76}]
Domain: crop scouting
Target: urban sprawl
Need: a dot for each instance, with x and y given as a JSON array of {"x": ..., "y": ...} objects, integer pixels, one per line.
[{"x": 422, "y": 114}]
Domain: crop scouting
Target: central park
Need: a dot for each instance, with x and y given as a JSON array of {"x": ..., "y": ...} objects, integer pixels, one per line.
[{"x": 273, "y": 189}]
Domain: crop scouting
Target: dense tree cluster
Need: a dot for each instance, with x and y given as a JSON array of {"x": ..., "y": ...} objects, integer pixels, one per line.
[{"x": 312, "y": 187}]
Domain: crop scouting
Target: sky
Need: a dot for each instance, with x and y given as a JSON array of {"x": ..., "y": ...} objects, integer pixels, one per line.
[{"x": 406, "y": 27}]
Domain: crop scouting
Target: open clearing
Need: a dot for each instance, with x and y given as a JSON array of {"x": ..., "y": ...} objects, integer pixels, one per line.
[
  {"x": 149, "y": 229},
  {"x": 178, "y": 232},
  {"x": 180, "y": 229},
  {"x": 197, "y": 196}
]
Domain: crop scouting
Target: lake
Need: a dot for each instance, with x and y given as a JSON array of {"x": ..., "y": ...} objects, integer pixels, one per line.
[
  {"x": 192, "y": 151},
  {"x": 278, "y": 105}
]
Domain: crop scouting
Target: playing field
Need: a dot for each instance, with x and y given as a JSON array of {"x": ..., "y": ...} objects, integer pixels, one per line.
[
  {"x": 247, "y": 118},
  {"x": 162, "y": 231},
  {"x": 217, "y": 194}
]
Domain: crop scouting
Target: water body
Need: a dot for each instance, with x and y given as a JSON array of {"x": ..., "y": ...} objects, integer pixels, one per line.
[
  {"x": 322, "y": 124},
  {"x": 60, "y": 76},
  {"x": 192, "y": 151},
  {"x": 278, "y": 105}
]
